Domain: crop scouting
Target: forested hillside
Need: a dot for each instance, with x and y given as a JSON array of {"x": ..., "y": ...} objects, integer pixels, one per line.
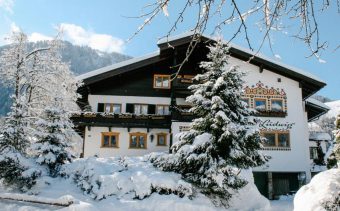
[{"x": 81, "y": 59}]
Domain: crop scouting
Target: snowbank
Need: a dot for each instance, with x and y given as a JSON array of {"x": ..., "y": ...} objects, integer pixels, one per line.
[
  {"x": 321, "y": 192},
  {"x": 130, "y": 183},
  {"x": 134, "y": 179},
  {"x": 102, "y": 177}
]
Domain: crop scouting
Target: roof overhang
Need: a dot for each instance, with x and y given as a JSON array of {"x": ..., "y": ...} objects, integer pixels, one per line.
[
  {"x": 309, "y": 83},
  {"x": 315, "y": 109}
]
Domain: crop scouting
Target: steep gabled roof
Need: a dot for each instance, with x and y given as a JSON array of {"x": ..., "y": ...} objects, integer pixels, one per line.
[{"x": 308, "y": 82}]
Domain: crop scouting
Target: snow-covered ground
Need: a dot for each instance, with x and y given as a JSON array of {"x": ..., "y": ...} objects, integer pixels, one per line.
[
  {"x": 129, "y": 184},
  {"x": 322, "y": 191}
]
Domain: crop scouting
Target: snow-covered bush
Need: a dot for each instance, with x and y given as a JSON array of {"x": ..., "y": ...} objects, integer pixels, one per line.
[
  {"x": 322, "y": 193},
  {"x": 17, "y": 171},
  {"x": 223, "y": 139},
  {"x": 102, "y": 177}
]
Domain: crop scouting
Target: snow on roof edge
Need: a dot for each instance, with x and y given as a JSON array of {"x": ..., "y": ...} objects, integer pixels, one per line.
[
  {"x": 318, "y": 103},
  {"x": 259, "y": 55},
  {"x": 116, "y": 65}
]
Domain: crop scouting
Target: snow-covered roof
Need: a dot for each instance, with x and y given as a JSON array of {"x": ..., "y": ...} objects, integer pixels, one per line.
[
  {"x": 312, "y": 84},
  {"x": 317, "y": 103},
  {"x": 319, "y": 136},
  {"x": 116, "y": 65},
  {"x": 259, "y": 55}
]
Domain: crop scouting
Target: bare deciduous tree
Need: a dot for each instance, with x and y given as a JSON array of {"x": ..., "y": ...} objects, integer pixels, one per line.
[{"x": 271, "y": 15}]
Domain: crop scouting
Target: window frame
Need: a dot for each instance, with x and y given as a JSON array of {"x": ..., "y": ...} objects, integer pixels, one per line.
[
  {"x": 162, "y": 86},
  {"x": 165, "y": 135},
  {"x": 276, "y": 139},
  {"x": 111, "y": 107},
  {"x": 163, "y": 106},
  {"x": 138, "y": 134},
  {"x": 110, "y": 134}
]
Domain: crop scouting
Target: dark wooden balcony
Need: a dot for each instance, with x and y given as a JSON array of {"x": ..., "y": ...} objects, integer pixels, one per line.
[
  {"x": 121, "y": 120},
  {"x": 181, "y": 85},
  {"x": 182, "y": 116}
]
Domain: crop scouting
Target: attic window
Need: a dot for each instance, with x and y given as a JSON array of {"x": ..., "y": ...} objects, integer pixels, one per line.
[{"x": 161, "y": 81}]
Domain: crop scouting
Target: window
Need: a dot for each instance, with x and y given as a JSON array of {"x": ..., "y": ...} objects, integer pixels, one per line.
[
  {"x": 283, "y": 140},
  {"x": 161, "y": 81},
  {"x": 270, "y": 139},
  {"x": 140, "y": 109},
  {"x": 109, "y": 108},
  {"x": 161, "y": 139},
  {"x": 138, "y": 140},
  {"x": 313, "y": 153},
  {"x": 162, "y": 110},
  {"x": 276, "y": 139},
  {"x": 260, "y": 104},
  {"x": 110, "y": 139},
  {"x": 276, "y": 105}
]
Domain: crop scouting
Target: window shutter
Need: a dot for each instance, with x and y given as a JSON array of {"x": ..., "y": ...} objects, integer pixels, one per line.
[
  {"x": 100, "y": 107},
  {"x": 129, "y": 108},
  {"x": 151, "y": 109}
]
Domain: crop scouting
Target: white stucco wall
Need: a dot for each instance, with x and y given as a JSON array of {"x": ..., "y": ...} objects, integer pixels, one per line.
[
  {"x": 93, "y": 142},
  {"x": 297, "y": 159}
]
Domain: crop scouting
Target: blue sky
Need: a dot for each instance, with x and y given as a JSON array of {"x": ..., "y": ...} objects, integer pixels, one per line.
[{"x": 106, "y": 25}]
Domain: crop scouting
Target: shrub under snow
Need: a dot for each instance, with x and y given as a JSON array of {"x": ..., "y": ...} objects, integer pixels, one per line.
[
  {"x": 102, "y": 177},
  {"x": 322, "y": 193},
  {"x": 137, "y": 179}
]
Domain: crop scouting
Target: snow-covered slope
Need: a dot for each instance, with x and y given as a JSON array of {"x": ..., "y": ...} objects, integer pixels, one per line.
[{"x": 335, "y": 108}]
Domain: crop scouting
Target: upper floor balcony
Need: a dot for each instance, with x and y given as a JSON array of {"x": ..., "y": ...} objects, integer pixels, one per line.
[{"x": 121, "y": 120}]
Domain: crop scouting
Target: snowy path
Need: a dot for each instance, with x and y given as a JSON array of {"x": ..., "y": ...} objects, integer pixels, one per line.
[{"x": 282, "y": 205}]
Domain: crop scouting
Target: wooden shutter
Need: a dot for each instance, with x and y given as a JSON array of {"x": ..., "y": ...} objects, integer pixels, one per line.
[
  {"x": 129, "y": 108},
  {"x": 151, "y": 109},
  {"x": 100, "y": 107}
]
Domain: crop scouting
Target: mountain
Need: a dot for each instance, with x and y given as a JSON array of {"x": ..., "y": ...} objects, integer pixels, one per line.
[
  {"x": 321, "y": 98},
  {"x": 82, "y": 59}
]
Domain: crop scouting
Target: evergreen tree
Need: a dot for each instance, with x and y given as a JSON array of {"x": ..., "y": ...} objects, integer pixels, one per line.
[
  {"x": 337, "y": 142},
  {"x": 334, "y": 159},
  {"x": 223, "y": 138},
  {"x": 54, "y": 138},
  {"x": 15, "y": 168}
]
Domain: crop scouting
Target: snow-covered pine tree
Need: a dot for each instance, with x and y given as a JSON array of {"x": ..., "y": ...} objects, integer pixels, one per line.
[
  {"x": 333, "y": 160},
  {"x": 53, "y": 139},
  {"x": 337, "y": 142},
  {"x": 55, "y": 95},
  {"x": 223, "y": 138}
]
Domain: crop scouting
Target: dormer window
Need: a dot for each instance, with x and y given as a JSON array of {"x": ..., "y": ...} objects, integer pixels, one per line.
[{"x": 161, "y": 81}]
